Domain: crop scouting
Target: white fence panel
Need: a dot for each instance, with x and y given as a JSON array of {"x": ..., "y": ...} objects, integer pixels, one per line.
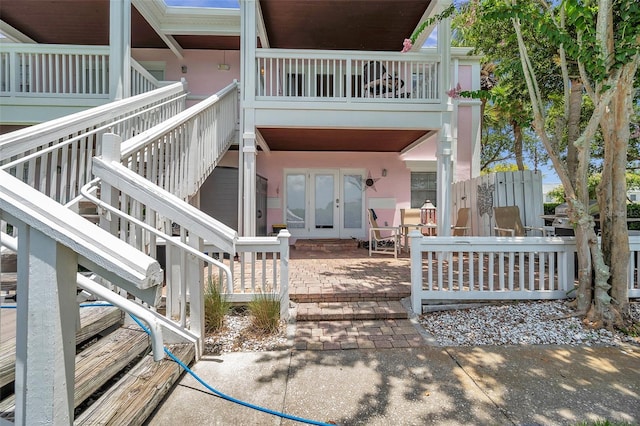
[{"x": 482, "y": 194}]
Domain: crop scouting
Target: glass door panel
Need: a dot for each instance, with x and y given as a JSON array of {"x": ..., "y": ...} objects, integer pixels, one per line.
[
  {"x": 296, "y": 201},
  {"x": 324, "y": 201},
  {"x": 352, "y": 202}
]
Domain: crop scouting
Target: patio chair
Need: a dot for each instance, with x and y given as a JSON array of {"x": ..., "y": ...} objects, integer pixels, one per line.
[
  {"x": 508, "y": 223},
  {"x": 408, "y": 217},
  {"x": 461, "y": 228},
  {"x": 389, "y": 244},
  {"x": 377, "y": 82}
]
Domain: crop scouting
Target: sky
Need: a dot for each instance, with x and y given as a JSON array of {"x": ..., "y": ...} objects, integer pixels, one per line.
[{"x": 227, "y": 4}]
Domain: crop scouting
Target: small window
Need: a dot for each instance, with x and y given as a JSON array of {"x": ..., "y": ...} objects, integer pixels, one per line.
[
  {"x": 632, "y": 197},
  {"x": 423, "y": 187}
]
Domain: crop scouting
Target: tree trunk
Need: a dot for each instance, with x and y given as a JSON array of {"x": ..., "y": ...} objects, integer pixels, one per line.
[
  {"x": 612, "y": 193},
  {"x": 517, "y": 144},
  {"x": 573, "y": 127}
]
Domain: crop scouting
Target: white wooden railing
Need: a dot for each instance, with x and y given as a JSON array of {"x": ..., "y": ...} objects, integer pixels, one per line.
[
  {"x": 52, "y": 243},
  {"x": 348, "y": 76},
  {"x": 181, "y": 152},
  {"x": 55, "y": 157},
  {"x": 499, "y": 268},
  {"x": 148, "y": 217},
  {"x": 52, "y": 70}
]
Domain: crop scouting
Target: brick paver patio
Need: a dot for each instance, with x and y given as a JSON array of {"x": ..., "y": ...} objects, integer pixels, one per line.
[{"x": 335, "y": 287}]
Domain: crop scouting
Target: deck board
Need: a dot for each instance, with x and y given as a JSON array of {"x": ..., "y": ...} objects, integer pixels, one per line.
[
  {"x": 97, "y": 364},
  {"x": 92, "y": 320},
  {"x": 132, "y": 400}
]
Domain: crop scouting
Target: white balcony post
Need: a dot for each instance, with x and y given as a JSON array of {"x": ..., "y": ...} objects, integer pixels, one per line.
[
  {"x": 283, "y": 237},
  {"x": 120, "y": 52},
  {"x": 444, "y": 49},
  {"x": 444, "y": 180},
  {"x": 46, "y": 326},
  {"x": 248, "y": 151}
]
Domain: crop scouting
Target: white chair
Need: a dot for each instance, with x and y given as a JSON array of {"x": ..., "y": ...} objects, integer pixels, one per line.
[{"x": 388, "y": 244}]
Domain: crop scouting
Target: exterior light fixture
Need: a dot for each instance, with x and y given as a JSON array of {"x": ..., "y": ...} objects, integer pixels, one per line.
[
  {"x": 428, "y": 213},
  {"x": 384, "y": 172}
]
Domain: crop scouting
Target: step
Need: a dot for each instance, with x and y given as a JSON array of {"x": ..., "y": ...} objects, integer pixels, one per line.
[
  {"x": 98, "y": 363},
  {"x": 93, "y": 321},
  {"x": 326, "y": 244},
  {"x": 355, "y": 295},
  {"x": 132, "y": 399},
  {"x": 337, "y": 311}
]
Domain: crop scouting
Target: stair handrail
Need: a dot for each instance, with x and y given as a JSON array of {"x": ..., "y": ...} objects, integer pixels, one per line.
[
  {"x": 87, "y": 190},
  {"x": 98, "y": 250},
  {"x": 20, "y": 141},
  {"x": 201, "y": 135},
  {"x": 118, "y": 176}
]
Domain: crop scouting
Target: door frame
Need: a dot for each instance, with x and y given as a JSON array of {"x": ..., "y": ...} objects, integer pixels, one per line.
[{"x": 338, "y": 231}]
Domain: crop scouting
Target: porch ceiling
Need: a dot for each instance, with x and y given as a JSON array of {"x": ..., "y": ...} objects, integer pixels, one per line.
[
  {"x": 87, "y": 22},
  {"x": 376, "y": 25},
  {"x": 358, "y": 140}
]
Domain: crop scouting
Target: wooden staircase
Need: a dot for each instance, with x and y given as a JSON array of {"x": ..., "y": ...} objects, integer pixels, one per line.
[{"x": 116, "y": 379}]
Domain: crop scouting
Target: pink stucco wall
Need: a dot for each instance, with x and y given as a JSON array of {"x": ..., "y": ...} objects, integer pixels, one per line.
[
  {"x": 463, "y": 163},
  {"x": 203, "y": 76},
  {"x": 394, "y": 185}
]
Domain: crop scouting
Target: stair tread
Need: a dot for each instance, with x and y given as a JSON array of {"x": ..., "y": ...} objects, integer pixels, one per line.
[
  {"x": 132, "y": 400},
  {"x": 92, "y": 320},
  {"x": 315, "y": 311},
  {"x": 98, "y": 363}
]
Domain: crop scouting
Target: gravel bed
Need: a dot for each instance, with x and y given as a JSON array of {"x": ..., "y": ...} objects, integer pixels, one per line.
[
  {"x": 237, "y": 335},
  {"x": 525, "y": 323}
]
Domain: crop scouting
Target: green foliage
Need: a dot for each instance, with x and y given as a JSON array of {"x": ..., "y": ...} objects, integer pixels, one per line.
[
  {"x": 501, "y": 168},
  {"x": 216, "y": 307},
  {"x": 449, "y": 11},
  {"x": 604, "y": 423},
  {"x": 550, "y": 208},
  {"x": 265, "y": 313}
]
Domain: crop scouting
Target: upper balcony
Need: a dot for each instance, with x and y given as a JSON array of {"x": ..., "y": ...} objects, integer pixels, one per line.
[
  {"x": 39, "y": 82},
  {"x": 350, "y": 88}
]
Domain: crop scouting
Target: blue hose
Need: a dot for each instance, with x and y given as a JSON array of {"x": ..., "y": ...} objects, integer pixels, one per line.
[{"x": 227, "y": 397}]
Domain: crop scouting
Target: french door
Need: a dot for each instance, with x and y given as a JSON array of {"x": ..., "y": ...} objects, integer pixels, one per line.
[{"x": 324, "y": 203}]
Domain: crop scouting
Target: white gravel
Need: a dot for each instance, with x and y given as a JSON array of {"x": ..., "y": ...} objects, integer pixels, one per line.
[{"x": 525, "y": 323}]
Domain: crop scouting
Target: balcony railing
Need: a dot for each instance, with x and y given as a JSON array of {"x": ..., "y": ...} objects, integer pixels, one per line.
[
  {"x": 44, "y": 70},
  {"x": 348, "y": 76}
]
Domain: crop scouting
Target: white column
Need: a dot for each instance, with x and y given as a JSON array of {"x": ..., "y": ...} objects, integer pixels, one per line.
[
  {"x": 444, "y": 180},
  {"x": 45, "y": 331},
  {"x": 444, "y": 49},
  {"x": 249, "y": 166},
  {"x": 248, "y": 150},
  {"x": 120, "y": 52}
]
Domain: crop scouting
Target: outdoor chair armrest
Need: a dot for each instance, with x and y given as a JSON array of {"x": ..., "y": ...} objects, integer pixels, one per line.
[{"x": 510, "y": 230}]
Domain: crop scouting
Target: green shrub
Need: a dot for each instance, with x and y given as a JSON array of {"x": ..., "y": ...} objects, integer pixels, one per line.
[
  {"x": 216, "y": 307},
  {"x": 265, "y": 313}
]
